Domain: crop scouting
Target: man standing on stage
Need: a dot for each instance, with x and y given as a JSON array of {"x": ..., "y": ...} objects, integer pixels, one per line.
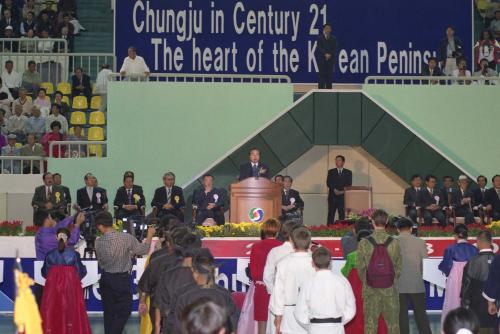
[
  {"x": 325, "y": 51},
  {"x": 338, "y": 178},
  {"x": 253, "y": 168}
]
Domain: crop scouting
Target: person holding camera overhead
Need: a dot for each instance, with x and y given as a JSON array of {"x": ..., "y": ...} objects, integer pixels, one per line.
[{"x": 114, "y": 251}]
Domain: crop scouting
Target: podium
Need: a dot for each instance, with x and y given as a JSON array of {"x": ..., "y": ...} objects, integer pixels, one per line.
[{"x": 254, "y": 200}]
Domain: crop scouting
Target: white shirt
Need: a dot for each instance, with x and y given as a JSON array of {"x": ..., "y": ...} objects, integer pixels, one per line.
[
  {"x": 90, "y": 192},
  {"x": 45, "y": 46},
  {"x": 273, "y": 258},
  {"x": 325, "y": 295},
  {"x": 101, "y": 83},
  {"x": 5, "y": 89},
  {"x": 457, "y": 72},
  {"x": 18, "y": 123},
  {"x": 136, "y": 66},
  {"x": 12, "y": 79}
]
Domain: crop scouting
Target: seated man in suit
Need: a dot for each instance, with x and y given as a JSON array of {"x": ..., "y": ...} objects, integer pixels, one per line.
[
  {"x": 291, "y": 203},
  {"x": 253, "y": 168},
  {"x": 480, "y": 192},
  {"x": 431, "y": 202},
  {"x": 49, "y": 197},
  {"x": 463, "y": 200},
  {"x": 58, "y": 182},
  {"x": 169, "y": 199},
  {"x": 410, "y": 197},
  {"x": 448, "y": 192},
  {"x": 493, "y": 198},
  {"x": 91, "y": 197},
  {"x": 129, "y": 199},
  {"x": 209, "y": 202},
  {"x": 431, "y": 70}
]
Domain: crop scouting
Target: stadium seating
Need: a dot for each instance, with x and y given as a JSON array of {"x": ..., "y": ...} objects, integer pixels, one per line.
[
  {"x": 65, "y": 99},
  {"x": 80, "y": 102},
  {"x": 49, "y": 87},
  {"x": 97, "y": 118},
  {"x": 64, "y": 87},
  {"x": 78, "y": 118},
  {"x": 95, "y": 102},
  {"x": 96, "y": 133}
]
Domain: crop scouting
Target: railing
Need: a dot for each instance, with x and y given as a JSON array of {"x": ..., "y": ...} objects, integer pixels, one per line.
[
  {"x": 193, "y": 77},
  {"x": 77, "y": 149},
  {"x": 22, "y": 165},
  {"x": 58, "y": 67},
  {"x": 33, "y": 45},
  {"x": 426, "y": 80}
]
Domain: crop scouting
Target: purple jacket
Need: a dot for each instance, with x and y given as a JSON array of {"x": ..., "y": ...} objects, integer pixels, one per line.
[
  {"x": 3, "y": 141},
  {"x": 46, "y": 238}
]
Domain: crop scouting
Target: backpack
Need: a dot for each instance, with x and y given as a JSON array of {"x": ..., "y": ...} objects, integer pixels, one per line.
[{"x": 380, "y": 271}]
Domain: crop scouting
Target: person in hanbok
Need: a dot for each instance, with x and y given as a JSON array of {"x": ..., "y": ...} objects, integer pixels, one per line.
[
  {"x": 491, "y": 290},
  {"x": 63, "y": 306},
  {"x": 326, "y": 302},
  {"x": 452, "y": 266},
  {"x": 258, "y": 257}
]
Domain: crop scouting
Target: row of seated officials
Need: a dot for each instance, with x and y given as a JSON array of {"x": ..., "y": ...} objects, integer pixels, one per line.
[{"x": 423, "y": 203}]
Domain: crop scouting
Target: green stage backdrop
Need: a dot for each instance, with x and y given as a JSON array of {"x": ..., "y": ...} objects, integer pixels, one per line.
[{"x": 180, "y": 127}]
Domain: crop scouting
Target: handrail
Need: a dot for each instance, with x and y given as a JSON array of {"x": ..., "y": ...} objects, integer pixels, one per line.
[
  {"x": 23, "y": 42},
  {"x": 442, "y": 80},
  {"x": 198, "y": 77},
  {"x": 18, "y": 168},
  {"x": 84, "y": 148}
]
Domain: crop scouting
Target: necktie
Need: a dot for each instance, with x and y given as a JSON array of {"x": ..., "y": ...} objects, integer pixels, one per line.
[
  {"x": 169, "y": 195},
  {"x": 255, "y": 170},
  {"x": 49, "y": 193},
  {"x": 129, "y": 195},
  {"x": 340, "y": 172}
]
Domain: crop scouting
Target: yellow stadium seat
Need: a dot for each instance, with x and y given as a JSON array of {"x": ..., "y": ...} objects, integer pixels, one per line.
[
  {"x": 18, "y": 145},
  {"x": 78, "y": 118},
  {"x": 80, "y": 102},
  {"x": 97, "y": 118},
  {"x": 64, "y": 87},
  {"x": 71, "y": 131},
  {"x": 94, "y": 150},
  {"x": 95, "y": 103},
  {"x": 93, "y": 88},
  {"x": 65, "y": 99},
  {"x": 96, "y": 133},
  {"x": 49, "y": 87},
  {"x": 29, "y": 98}
]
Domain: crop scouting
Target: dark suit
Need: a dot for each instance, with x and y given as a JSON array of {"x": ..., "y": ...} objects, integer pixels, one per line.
[
  {"x": 424, "y": 199},
  {"x": 492, "y": 198},
  {"x": 57, "y": 198},
  {"x": 480, "y": 196},
  {"x": 246, "y": 171},
  {"x": 338, "y": 181},
  {"x": 443, "y": 49},
  {"x": 121, "y": 199},
  {"x": 201, "y": 199},
  {"x": 409, "y": 201},
  {"x": 448, "y": 195},
  {"x": 325, "y": 67},
  {"x": 99, "y": 198},
  {"x": 176, "y": 199},
  {"x": 426, "y": 72},
  {"x": 287, "y": 197},
  {"x": 463, "y": 210},
  {"x": 85, "y": 82}
]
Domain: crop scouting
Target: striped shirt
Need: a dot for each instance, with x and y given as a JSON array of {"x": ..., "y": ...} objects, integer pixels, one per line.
[{"x": 115, "y": 250}]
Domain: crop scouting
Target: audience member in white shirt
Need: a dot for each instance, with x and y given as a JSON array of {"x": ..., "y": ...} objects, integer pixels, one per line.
[
  {"x": 5, "y": 98},
  {"x": 11, "y": 79},
  {"x": 18, "y": 123},
  {"x": 326, "y": 302},
  {"x": 134, "y": 67},
  {"x": 56, "y": 116},
  {"x": 462, "y": 71},
  {"x": 101, "y": 85},
  {"x": 45, "y": 45}
]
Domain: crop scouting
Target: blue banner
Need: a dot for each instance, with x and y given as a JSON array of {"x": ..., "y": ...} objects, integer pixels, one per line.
[{"x": 390, "y": 37}]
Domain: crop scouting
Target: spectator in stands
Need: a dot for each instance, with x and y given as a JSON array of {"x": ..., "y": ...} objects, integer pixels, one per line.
[
  {"x": 5, "y": 98},
  {"x": 76, "y": 24},
  {"x": 44, "y": 23},
  {"x": 60, "y": 46},
  {"x": 76, "y": 151},
  {"x": 65, "y": 23},
  {"x": 31, "y": 78},
  {"x": 431, "y": 70},
  {"x": 55, "y": 115},
  {"x": 450, "y": 50},
  {"x": 53, "y": 135},
  {"x": 28, "y": 43},
  {"x": 23, "y": 101},
  {"x": 462, "y": 71},
  {"x": 487, "y": 48},
  {"x": 51, "y": 14},
  {"x": 42, "y": 101},
  {"x": 431, "y": 201},
  {"x": 8, "y": 20},
  {"x": 11, "y": 150},
  {"x": 485, "y": 71},
  {"x": 495, "y": 25},
  {"x": 101, "y": 85},
  {"x": 36, "y": 123},
  {"x": 30, "y": 7},
  {"x": 63, "y": 106},
  {"x": 11, "y": 79},
  {"x": 27, "y": 24},
  {"x": 18, "y": 123},
  {"x": 4, "y": 124},
  {"x": 134, "y": 66},
  {"x": 9, "y": 46},
  {"x": 32, "y": 149},
  {"x": 66, "y": 7},
  {"x": 80, "y": 84},
  {"x": 44, "y": 44},
  {"x": 8, "y": 5},
  {"x": 493, "y": 198}
]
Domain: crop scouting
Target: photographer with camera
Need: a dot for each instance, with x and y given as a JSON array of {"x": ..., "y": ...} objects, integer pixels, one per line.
[
  {"x": 485, "y": 72},
  {"x": 115, "y": 251}
]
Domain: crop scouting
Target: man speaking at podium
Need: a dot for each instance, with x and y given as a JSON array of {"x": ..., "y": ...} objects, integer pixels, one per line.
[{"x": 253, "y": 168}]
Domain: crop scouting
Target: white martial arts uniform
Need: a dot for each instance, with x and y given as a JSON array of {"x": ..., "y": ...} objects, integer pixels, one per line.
[
  {"x": 293, "y": 271},
  {"x": 325, "y": 295}
]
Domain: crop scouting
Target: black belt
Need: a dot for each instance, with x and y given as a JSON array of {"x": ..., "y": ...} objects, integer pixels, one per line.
[
  {"x": 326, "y": 321},
  {"x": 290, "y": 305}
]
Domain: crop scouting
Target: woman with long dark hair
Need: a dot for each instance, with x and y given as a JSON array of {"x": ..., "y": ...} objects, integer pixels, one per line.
[{"x": 63, "y": 307}]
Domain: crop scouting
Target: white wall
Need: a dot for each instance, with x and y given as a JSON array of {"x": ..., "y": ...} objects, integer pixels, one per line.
[{"x": 16, "y": 192}]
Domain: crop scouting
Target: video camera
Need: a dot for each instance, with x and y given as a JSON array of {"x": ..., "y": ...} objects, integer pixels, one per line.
[{"x": 88, "y": 231}]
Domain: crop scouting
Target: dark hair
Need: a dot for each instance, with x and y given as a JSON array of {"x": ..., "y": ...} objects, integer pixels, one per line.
[
  {"x": 362, "y": 224},
  {"x": 56, "y": 174},
  {"x": 484, "y": 236},
  {"x": 189, "y": 244},
  {"x": 460, "y": 318},
  {"x": 32, "y": 13},
  {"x": 253, "y": 149},
  {"x": 41, "y": 89},
  {"x": 103, "y": 218},
  {"x": 322, "y": 258},
  {"x": 79, "y": 69},
  {"x": 270, "y": 228},
  {"x": 379, "y": 217},
  {"x": 341, "y": 157},
  {"x": 39, "y": 217},
  {"x": 403, "y": 223},
  {"x": 448, "y": 177},
  {"x": 415, "y": 176},
  {"x": 494, "y": 177},
  {"x": 483, "y": 177},
  {"x": 461, "y": 231},
  {"x": 128, "y": 174},
  {"x": 288, "y": 177},
  {"x": 207, "y": 175},
  {"x": 301, "y": 238},
  {"x": 60, "y": 242},
  {"x": 481, "y": 36},
  {"x": 205, "y": 317},
  {"x": 31, "y": 62},
  {"x": 287, "y": 229},
  {"x": 431, "y": 59},
  {"x": 327, "y": 25},
  {"x": 9, "y": 62},
  {"x": 133, "y": 48},
  {"x": 58, "y": 92},
  {"x": 449, "y": 26},
  {"x": 45, "y": 174},
  {"x": 363, "y": 234},
  {"x": 429, "y": 177},
  {"x": 204, "y": 263},
  {"x": 54, "y": 124},
  {"x": 104, "y": 66},
  {"x": 279, "y": 175}
]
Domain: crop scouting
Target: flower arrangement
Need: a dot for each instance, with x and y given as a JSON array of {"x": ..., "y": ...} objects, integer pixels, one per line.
[
  {"x": 231, "y": 230},
  {"x": 11, "y": 228},
  {"x": 30, "y": 230}
]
